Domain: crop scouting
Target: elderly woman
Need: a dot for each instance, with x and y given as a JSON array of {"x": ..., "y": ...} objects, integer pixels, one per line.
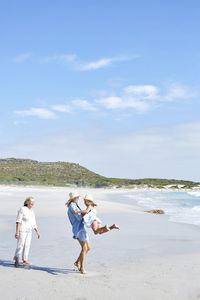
[
  {"x": 79, "y": 232},
  {"x": 25, "y": 223}
]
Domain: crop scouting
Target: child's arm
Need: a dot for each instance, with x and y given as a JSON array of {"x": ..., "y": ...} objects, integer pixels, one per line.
[
  {"x": 84, "y": 211},
  {"x": 77, "y": 211}
]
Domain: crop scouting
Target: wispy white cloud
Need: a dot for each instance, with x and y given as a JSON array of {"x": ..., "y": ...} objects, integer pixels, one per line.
[
  {"x": 173, "y": 92},
  {"x": 84, "y": 105},
  {"x": 22, "y": 57},
  {"x": 123, "y": 103},
  {"x": 36, "y": 112},
  {"x": 102, "y": 63},
  {"x": 80, "y": 65},
  {"x": 145, "y": 91},
  {"x": 54, "y": 110},
  {"x": 133, "y": 98},
  {"x": 75, "y": 62},
  {"x": 142, "y": 98},
  {"x": 61, "y": 108},
  {"x": 177, "y": 92}
]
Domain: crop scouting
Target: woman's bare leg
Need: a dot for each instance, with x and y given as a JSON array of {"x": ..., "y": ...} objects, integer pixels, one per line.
[
  {"x": 77, "y": 262},
  {"x": 81, "y": 259}
]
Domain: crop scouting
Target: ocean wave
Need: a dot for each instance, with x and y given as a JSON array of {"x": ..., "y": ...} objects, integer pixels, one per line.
[
  {"x": 194, "y": 193},
  {"x": 180, "y": 207},
  {"x": 185, "y": 221},
  {"x": 196, "y": 208}
]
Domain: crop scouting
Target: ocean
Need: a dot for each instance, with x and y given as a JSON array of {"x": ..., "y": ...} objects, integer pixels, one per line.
[{"x": 181, "y": 207}]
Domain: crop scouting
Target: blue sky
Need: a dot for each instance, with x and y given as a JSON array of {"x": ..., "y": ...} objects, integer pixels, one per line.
[{"x": 111, "y": 85}]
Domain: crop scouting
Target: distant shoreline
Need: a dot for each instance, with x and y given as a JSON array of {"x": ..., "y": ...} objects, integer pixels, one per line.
[{"x": 137, "y": 188}]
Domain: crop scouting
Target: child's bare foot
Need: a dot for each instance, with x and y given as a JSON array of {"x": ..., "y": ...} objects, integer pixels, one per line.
[
  {"x": 83, "y": 271},
  {"x": 27, "y": 263},
  {"x": 77, "y": 264},
  {"x": 114, "y": 226}
]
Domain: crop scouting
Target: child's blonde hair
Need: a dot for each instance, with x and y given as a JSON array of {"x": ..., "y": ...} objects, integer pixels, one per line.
[{"x": 90, "y": 202}]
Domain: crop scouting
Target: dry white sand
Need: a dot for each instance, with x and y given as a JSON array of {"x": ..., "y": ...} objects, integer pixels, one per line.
[{"x": 149, "y": 258}]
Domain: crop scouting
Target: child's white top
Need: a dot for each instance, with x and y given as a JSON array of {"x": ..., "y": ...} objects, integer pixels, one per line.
[
  {"x": 26, "y": 218},
  {"x": 89, "y": 218}
]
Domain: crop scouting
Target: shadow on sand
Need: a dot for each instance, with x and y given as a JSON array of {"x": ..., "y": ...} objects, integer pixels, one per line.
[{"x": 52, "y": 271}]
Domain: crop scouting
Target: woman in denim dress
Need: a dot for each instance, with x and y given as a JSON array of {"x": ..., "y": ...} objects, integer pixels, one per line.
[{"x": 78, "y": 229}]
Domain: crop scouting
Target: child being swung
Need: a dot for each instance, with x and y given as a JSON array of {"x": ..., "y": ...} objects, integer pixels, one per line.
[{"x": 90, "y": 218}]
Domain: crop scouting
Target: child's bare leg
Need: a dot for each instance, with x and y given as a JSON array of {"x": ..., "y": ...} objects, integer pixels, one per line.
[
  {"x": 95, "y": 227},
  {"x": 98, "y": 229},
  {"x": 104, "y": 229},
  {"x": 114, "y": 226}
]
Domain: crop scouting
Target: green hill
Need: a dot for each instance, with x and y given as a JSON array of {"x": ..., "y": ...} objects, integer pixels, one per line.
[{"x": 26, "y": 172}]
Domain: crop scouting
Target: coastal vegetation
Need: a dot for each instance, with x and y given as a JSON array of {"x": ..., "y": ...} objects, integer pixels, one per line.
[{"x": 32, "y": 172}]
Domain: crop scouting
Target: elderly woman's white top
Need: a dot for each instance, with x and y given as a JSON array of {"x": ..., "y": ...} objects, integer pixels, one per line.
[{"x": 26, "y": 218}]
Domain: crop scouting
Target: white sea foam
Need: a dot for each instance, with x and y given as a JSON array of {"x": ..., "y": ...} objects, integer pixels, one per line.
[
  {"x": 181, "y": 207},
  {"x": 195, "y": 193},
  {"x": 196, "y": 208}
]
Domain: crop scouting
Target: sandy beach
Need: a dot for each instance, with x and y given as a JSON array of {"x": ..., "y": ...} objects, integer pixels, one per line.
[{"x": 149, "y": 258}]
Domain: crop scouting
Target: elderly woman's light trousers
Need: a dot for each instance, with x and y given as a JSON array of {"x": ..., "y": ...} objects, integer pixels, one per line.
[{"x": 23, "y": 246}]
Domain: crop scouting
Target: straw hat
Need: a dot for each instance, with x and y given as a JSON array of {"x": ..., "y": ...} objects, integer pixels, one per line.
[
  {"x": 73, "y": 195},
  {"x": 88, "y": 197}
]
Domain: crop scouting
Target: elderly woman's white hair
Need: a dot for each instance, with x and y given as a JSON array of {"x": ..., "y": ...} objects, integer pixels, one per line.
[{"x": 28, "y": 200}]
